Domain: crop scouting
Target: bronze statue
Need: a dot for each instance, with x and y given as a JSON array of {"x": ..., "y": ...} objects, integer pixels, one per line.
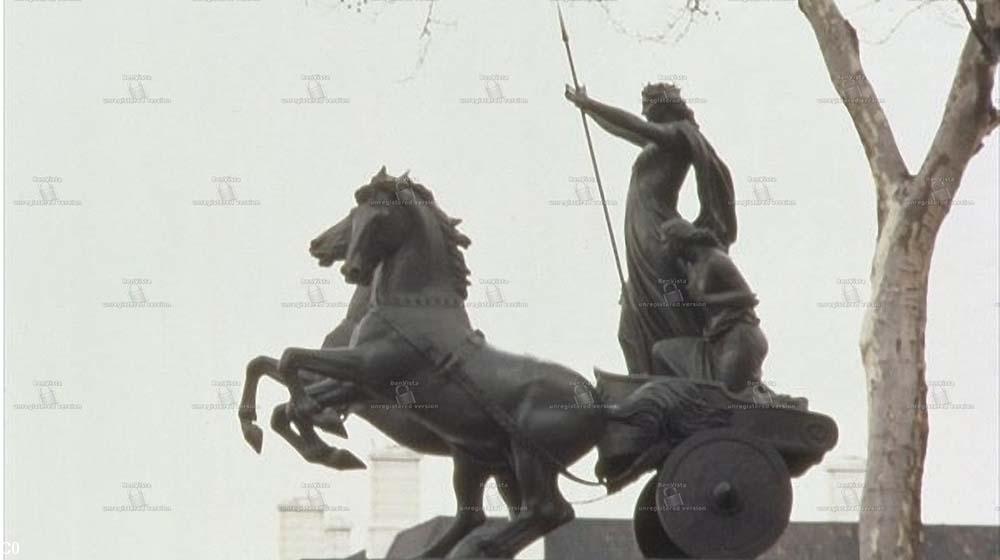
[
  {"x": 306, "y": 441},
  {"x": 338, "y": 399},
  {"x": 417, "y": 330},
  {"x": 690, "y": 410},
  {"x": 732, "y": 347},
  {"x": 671, "y": 143},
  {"x": 519, "y": 419}
]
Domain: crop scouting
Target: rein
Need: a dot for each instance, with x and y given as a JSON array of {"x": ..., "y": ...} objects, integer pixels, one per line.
[{"x": 446, "y": 364}]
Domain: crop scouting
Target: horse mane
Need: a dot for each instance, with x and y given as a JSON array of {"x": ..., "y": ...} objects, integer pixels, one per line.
[{"x": 454, "y": 239}]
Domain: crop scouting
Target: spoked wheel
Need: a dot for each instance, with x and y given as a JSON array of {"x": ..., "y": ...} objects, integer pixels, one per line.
[
  {"x": 723, "y": 494},
  {"x": 653, "y": 541}
]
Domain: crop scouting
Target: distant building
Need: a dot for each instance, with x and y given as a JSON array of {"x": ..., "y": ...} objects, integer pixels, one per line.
[
  {"x": 846, "y": 481},
  {"x": 395, "y": 496},
  {"x": 309, "y": 528}
]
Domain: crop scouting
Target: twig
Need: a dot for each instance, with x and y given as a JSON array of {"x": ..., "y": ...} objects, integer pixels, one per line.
[
  {"x": 691, "y": 9},
  {"x": 426, "y": 36},
  {"x": 975, "y": 28}
]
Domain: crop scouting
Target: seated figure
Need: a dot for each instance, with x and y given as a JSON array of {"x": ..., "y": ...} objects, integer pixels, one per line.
[{"x": 732, "y": 347}]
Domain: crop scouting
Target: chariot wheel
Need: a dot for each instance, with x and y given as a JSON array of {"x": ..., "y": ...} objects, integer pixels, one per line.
[
  {"x": 723, "y": 493},
  {"x": 653, "y": 541}
]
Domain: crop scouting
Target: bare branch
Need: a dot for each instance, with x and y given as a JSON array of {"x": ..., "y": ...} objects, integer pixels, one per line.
[
  {"x": 973, "y": 26},
  {"x": 969, "y": 114},
  {"x": 425, "y": 38},
  {"x": 899, "y": 23},
  {"x": 838, "y": 43},
  {"x": 426, "y": 31},
  {"x": 684, "y": 18}
]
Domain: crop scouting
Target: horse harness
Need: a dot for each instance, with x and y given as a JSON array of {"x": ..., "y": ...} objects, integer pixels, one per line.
[{"x": 447, "y": 364}]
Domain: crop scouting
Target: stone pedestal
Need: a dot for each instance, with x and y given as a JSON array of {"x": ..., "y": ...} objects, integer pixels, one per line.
[{"x": 586, "y": 539}]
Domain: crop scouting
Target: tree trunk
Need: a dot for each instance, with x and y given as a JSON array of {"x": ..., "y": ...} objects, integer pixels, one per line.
[
  {"x": 892, "y": 350},
  {"x": 910, "y": 210}
]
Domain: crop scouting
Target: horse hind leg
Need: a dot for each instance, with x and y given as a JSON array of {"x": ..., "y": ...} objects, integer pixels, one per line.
[
  {"x": 309, "y": 445},
  {"x": 543, "y": 509},
  {"x": 468, "y": 479}
]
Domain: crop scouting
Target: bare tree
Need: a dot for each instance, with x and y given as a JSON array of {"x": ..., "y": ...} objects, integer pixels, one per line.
[{"x": 910, "y": 211}]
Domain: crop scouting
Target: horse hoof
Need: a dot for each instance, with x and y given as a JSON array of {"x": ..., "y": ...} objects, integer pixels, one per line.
[
  {"x": 343, "y": 460},
  {"x": 330, "y": 422},
  {"x": 254, "y": 436}
]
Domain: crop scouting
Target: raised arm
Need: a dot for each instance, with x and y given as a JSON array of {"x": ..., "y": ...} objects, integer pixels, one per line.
[
  {"x": 618, "y": 131},
  {"x": 623, "y": 124}
]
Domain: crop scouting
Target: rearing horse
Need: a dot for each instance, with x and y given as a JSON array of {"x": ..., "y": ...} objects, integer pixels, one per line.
[
  {"x": 328, "y": 248},
  {"x": 417, "y": 370},
  {"x": 417, "y": 323},
  {"x": 500, "y": 414},
  {"x": 336, "y": 399}
]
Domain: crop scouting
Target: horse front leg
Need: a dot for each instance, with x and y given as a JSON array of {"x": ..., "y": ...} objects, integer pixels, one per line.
[
  {"x": 468, "y": 480},
  {"x": 542, "y": 509},
  {"x": 308, "y": 443},
  {"x": 342, "y": 364},
  {"x": 256, "y": 368},
  {"x": 335, "y": 397},
  {"x": 329, "y": 395}
]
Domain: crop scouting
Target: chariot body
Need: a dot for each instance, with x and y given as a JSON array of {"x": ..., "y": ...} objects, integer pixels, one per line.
[{"x": 722, "y": 487}]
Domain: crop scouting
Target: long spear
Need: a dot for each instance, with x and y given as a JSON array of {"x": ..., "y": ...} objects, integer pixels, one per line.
[{"x": 593, "y": 158}]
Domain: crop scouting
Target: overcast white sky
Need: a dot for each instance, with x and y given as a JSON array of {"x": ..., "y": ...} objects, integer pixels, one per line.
[{"x": 130, "y": 174}]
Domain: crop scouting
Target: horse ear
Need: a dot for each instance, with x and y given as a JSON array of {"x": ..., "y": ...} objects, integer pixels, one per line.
[
  {"x": 380, "y": 175},
  {"x": 405, "y": 177}
]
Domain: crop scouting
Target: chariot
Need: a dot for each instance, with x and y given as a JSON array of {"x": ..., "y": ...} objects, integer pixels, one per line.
[
  {"x": 724, "y": 490},
  {"x": 723, "y": 460}
]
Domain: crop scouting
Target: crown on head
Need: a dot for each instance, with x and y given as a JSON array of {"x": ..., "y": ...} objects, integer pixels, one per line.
[{"x": 662, "y": 93}]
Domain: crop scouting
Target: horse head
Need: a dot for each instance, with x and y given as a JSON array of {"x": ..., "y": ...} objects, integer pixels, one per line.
[
  {"x": 381, "y": 222},
  {"x": 331, "y": 245}
]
